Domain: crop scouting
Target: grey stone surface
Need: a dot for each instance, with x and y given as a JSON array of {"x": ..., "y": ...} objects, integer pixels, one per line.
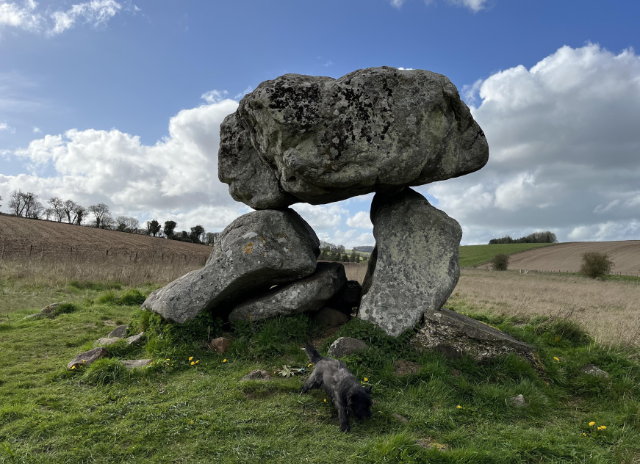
[
  {"x": 106, "y": 341},
  {"x": 517, "y": 401},
  {"x": 305, "y": 295},
  {"x": 88, "y": 357},
  {"x": 592, "y": 369},
  {"x": 134, "y": 338},
  {"x": 456, "y": 335},
  {"x": 257, "y": 374},
  {"x": 414, "y": 267},
  {"x": 118, "y": 332},
  {"x": 327, "y": 140},
  {"x": 250, "y": 179},
  {"x": 331, "y": 317},
  {"x": 256, "y": 251},
  {"x": 344, "y": 346},
  {"x": 132, "y": 364}
]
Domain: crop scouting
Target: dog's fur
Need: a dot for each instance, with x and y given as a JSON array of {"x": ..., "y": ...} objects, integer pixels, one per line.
[{"x": 339, "y": 383}]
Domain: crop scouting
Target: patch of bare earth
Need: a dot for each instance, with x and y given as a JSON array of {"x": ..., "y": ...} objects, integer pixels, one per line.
[{"x": 609, "y": 310}]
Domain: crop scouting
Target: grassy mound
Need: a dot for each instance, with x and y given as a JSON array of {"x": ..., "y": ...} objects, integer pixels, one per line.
[{"x": 190, "y": 406}]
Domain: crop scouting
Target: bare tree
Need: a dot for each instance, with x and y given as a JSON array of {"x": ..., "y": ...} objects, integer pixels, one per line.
[
  {"x": 210, "y": 238},
  {"x": 25, "y": 204},
  {"x": 100, "y": 211},
  {"x": 16, "y": 203},
  {"x": 78, "y": 214},
  {"x": 127, "y": 224},
  {"x": 57, "y": 206},
  {"x": 68, "y": 207}
]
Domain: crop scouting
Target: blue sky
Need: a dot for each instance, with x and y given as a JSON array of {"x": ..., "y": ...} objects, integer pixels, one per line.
[{"x": 113, "y": 101}]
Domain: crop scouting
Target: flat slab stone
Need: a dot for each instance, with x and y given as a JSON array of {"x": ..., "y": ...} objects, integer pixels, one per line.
[
  {"x": 414, "y": 266},
  {"x": 456, "y": 335},
  {"x": 344, "y": 346},
  {"x": 134, "y": 338},
  {"x": 134, "y": 363},
  {"x": 88, "y": 357},
  {"x": 592, "y": 369},
  {"x": 118, "y": 332},
  {"x": 255, "y": 252},
  {"x": 302, "y": 296},
  {"x": 318, "y": 140}
]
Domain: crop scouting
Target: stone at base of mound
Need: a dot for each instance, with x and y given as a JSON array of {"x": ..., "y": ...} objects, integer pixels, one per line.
[
  {"x": 517, "y": 401},
  {"x": 257, "y": 374},
  {"x": 118, "y": 332},
  {"x": 88, "y": 357},
  {"x": 592, "y": 369},
  {"x": 132, "y": 364},
  {"x": 344, "y": 346},
  {"x": 456, "y": 335}
]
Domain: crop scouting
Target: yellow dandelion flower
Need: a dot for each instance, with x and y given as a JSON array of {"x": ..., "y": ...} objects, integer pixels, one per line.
[
  {"x": 192, "y": 422},
  {"x": 190, "y": 358},
  {"x": 310, "y": 364},
  {"x": 325, "y": 400},
  {"x": 556, "y": 359},
  {"x": 459, "y": 407},
  {"x": 366, "y": 379},
  {"x": 168, "y": 359},
  {"x": 224, "y": 360},
  {"x": 591, "y": 424},
  {"x": 192, "y": 363},
  {"x": 84, "y": 360},
  {"x": 584, "y": 434},
  {"x": 73, "y": 367},
  {"x": 197, "y": 361},
  {"x": 604, "y": 427}
]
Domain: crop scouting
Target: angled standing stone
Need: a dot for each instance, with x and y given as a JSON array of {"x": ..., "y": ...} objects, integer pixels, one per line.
[
  {"x": 256, "y": 251},
  {"x": 302, "y": 296},
  {"x": 414, "y": 267}
]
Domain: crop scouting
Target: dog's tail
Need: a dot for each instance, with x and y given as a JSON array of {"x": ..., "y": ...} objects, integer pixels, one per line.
[{"x": 312, "y": 353}]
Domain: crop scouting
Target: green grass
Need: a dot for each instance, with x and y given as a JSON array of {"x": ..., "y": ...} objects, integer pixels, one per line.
[
  {"x": 173, "y": 411},
  {"x": 475, "y": 255}
]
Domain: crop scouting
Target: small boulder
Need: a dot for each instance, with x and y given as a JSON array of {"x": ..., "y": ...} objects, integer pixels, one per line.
[
  {"x": 517, "y": 401},
  {"x": 50, "y": 308},
  {"x": 118, "y": 332},
  {"x": 88, "y": 357},
  {"x": 132, "y": 364},
  {"x": 592, "y": 369},
  {"x": 331, "y": 317},
  {"x": 106, "y": 341},
  {"x": 344, "y": 346},
  {"x": 257, "y": 374},
  {"x": 253, "y": 253},
  {"x": 302, "y": 296},
  {"x": 134, "y": 338},
  {"x": 220, "y": 344},
  {"x": 455, "y": 335}
]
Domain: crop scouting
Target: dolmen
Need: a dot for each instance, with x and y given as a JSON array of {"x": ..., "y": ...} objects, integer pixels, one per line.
[{"x": 319, "y": 140}]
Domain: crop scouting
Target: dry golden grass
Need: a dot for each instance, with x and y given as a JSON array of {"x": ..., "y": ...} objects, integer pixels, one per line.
[
  {"x": 355, "y": 271},
  {"x": 609, "y": 310}
]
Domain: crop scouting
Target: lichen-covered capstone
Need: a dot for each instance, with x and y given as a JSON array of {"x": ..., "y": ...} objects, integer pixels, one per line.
[
  {"x": 303, "y": 296},
  {"x": 414, "y": 267},
  {"x": 325, "y": 140},
  {"x": 256, "y": 251}
]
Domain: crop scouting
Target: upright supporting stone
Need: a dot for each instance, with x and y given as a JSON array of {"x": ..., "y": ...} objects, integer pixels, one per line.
[{"x": 414, "y": 267}]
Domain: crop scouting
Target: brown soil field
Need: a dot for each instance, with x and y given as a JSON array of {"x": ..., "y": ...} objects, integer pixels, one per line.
[
  {"x": 35, "y": 240},
  {"x": 608, "y": 310},
  {"x": 567, "y": 257}
]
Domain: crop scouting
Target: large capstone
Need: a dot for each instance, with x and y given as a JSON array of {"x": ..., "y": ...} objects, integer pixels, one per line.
[
  {"x": 255, "y": 252},
  {"x": 303, "y": 296},
  {"x": 414, "y": 267},
  {"x": 325, "y": 140}
]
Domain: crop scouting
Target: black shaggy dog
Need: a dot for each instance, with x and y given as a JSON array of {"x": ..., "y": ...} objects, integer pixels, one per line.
[{"x": 341, "y": 386}]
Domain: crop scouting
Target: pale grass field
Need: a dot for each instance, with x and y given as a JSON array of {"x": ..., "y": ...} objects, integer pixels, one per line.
[{"x": 609, "y": 310}]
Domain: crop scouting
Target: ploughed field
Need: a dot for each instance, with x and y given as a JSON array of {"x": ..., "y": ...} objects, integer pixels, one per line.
[
  {"x": 567, "y": 257},
  {"x": 30, "y": 239}
]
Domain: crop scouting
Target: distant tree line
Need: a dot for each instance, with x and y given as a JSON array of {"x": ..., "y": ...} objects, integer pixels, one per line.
[
  {"x": 331, "y": 252},
  {"x": 28, "y": 205},
  {"x": 536, "y": 237}
]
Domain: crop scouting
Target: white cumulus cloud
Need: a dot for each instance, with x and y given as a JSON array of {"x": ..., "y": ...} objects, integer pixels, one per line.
[
  {"x": 564, "y": 149},
  {"x": 360, "y": 220}
]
